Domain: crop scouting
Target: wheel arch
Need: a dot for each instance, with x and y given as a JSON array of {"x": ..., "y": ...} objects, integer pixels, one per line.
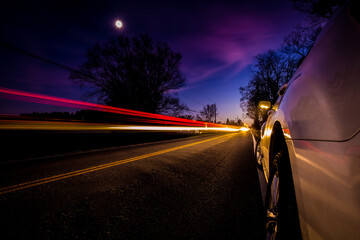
[
  {"x": 278, "y": 144},
  {"x": 277, "y": 141}
]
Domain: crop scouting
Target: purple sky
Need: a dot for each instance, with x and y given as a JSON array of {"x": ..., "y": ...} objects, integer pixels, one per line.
[{"x": 217, "y": 39}]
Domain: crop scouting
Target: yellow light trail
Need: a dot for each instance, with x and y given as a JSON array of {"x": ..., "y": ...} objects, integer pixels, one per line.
[
  {"x": 76, "y": 126},
  {"x": 154, "y": 128},
  {"x": 244, "y": 129},
  {"x": 41, "y": 181}
]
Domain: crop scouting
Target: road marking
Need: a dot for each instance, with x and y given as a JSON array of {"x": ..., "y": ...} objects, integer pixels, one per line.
[{"x": 99, "y": 167}]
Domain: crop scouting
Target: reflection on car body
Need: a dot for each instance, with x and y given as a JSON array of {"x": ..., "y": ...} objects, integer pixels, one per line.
[{"x": 310, "y": 144}]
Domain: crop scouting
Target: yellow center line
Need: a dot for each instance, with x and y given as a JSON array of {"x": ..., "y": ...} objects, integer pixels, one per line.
[{"x": 97, "y": 168}]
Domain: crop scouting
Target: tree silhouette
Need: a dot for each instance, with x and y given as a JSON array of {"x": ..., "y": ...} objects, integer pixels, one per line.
[
  {"x": 209, "y": 113},
  {"x": 298, "y": 43},
  {"x": 133, "y": 73},
  {"x": 319, "y": 11},
  {"x": 274, "y": 68},
  {"x": 271, "y": 71}
]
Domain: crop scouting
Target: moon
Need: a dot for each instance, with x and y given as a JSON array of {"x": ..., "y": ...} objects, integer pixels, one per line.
[{"x": 118, "y": 24}]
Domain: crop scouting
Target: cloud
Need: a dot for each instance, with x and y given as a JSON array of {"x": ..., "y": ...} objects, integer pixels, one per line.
[
  {"x": 228, "y": 42},
  {"x": 175, "y": 91}
]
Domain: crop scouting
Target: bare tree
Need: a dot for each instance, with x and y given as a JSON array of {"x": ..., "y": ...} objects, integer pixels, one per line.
[
  {"x": 133, "y": 73},
  {"x": 198, "y": 118},
  {"x": 319, "y": 11},
  {"x": 188, "y": 116},
  {"x": 298, "y": 43},
  {"x": 272, "y": 69},
  {"x": 209, "y": 113},
  {"x": 234, "y": 122}
]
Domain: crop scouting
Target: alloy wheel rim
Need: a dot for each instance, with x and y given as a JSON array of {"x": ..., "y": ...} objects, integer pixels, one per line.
[
  {"x": 258, "y": 156},
  {"x": 272, "y": 211}
]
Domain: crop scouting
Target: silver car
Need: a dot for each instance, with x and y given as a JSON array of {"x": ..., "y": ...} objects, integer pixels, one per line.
[{"x": 310, "y": 145}]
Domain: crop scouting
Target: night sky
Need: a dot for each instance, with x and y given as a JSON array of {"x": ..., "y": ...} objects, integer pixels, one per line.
[{"x": 217, "y": 39}]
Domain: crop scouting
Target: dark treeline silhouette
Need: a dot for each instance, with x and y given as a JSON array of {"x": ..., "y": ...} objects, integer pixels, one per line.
[
  {"x": 271, "y": 70},
  {"x": 318, "y": 11},
  {"x": 87, "y": 116},
  {"x": 79, "y": 116},
  {"x": 237, "y": 122},
  {"x": 133, "y": 73},
  {"x": 275, "y": 67},
  {"x": 52, "y": 115},
  {"x": 208, "y": 113}
]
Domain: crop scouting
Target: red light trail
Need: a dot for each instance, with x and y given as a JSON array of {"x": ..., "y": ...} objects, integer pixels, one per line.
[{"x": 150, "y": 117}]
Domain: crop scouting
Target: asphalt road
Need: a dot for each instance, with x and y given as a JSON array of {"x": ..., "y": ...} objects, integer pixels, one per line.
[{"x": 203, "y": 187}]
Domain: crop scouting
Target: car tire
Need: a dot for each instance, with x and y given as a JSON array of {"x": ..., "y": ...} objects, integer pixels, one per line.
[
  {"x": 282, "y": 221},
  {"x": 258, "y": 155}
]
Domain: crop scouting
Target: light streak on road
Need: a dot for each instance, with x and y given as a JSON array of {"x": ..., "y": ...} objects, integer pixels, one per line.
[
  {"x": 244, "y": 129},
  {"x": 151, "y": 117},
  {"x": 77, "y": 126},
  {"x": 157, "y": 128}
]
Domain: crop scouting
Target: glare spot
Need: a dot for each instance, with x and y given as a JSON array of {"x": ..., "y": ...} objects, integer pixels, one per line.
[{"x": 118, "y": 24}]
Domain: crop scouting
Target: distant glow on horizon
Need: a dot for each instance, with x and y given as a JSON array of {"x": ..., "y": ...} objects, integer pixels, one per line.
[
  {"x": 244, "y": 129},
  {"x": 118, "y": 24}
]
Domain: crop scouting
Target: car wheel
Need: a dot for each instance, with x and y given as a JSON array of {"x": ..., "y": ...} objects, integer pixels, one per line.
[
  {"x": 258, "y": 155},
  {"x": 272, "y": 202},
  {"x": 282, "y": 221}
]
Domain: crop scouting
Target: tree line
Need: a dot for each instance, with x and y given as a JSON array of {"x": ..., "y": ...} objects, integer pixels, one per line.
[
  {"x": 137, "y": 73},
  {"x": 140, "y": 74},
  {"x": 134, "y": 73},
  {"x": 274, "y": 68}
]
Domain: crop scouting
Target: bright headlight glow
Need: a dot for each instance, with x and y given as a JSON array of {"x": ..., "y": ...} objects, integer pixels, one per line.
[{"x": 244, "y": 129}]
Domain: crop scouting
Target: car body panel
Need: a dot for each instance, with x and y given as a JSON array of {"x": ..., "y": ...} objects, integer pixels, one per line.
[
  {"x": 327, "y": 85},
  {"x": 319, "y": 118},
  {"x": 328, "y": 189}
]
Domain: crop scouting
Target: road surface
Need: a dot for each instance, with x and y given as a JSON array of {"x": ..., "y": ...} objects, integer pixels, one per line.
[{"x": 203, "y": 187}]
